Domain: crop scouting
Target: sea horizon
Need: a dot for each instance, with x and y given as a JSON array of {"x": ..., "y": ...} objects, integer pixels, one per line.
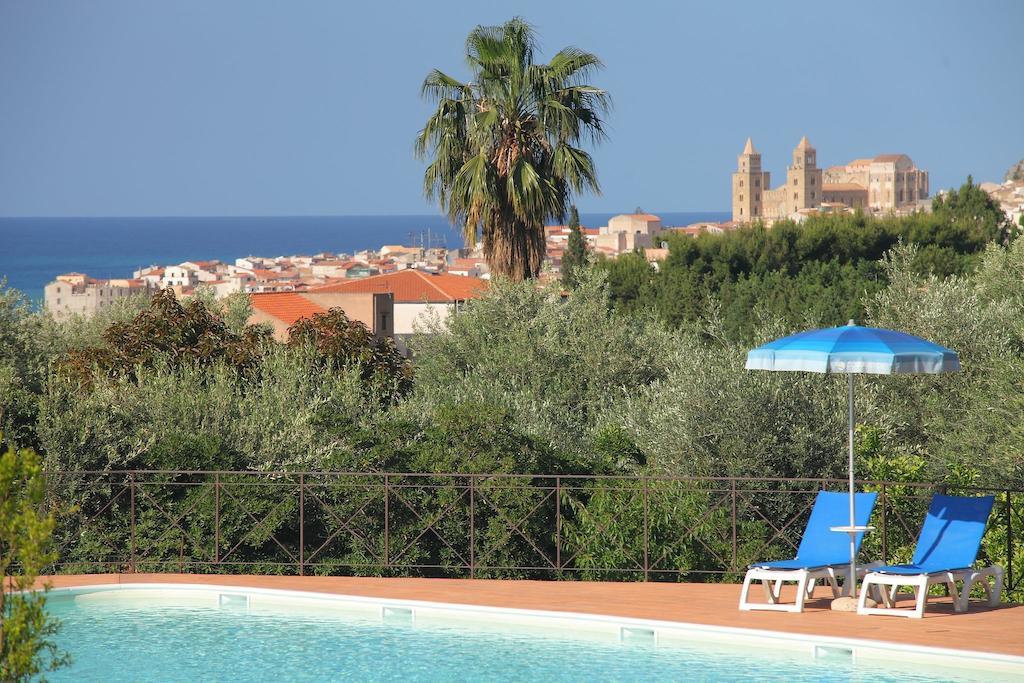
[{"x": 35, "y": 249}]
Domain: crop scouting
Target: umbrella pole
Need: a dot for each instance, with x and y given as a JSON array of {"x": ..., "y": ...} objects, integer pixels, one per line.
[{"x": 853, "y": 515}]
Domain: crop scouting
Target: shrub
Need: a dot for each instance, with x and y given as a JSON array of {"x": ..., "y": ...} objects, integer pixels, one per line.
[{"x": 27, "y": 648}]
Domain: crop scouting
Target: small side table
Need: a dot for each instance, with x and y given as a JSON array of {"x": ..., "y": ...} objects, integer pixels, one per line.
[{"x": 850, "y": 584}]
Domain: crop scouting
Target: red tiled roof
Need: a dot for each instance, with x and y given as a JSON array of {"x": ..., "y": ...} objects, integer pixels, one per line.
[
  {"x": 465, "y": 263},
  {"x": 264, "y": 274},
  {"x": 414, "y": 286},
  {"x": 285, "y": 306}
]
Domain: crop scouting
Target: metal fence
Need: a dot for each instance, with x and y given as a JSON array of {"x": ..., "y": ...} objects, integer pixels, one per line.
[{"x": 475, "y": 525}]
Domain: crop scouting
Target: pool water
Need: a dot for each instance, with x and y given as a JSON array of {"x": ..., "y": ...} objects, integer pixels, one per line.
[{"x": 114, "y": 639}]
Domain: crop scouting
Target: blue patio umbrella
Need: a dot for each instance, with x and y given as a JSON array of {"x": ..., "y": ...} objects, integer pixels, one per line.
[{"x": 852, "y": 349}]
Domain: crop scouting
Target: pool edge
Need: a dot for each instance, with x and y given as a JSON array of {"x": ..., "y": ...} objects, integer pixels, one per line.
[{"x": 859, "y": 648}]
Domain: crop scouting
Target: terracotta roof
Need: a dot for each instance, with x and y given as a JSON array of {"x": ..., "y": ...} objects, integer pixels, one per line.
[
  {"x": 843, "y": 187},
  {"x": 264, "y": 274},
  {"x": 860, "y": 162},
  {"x": 689, "y": 230},
  {"x": 414, "y": 286},
  {"x": 285, "y": 306},
  {"x": 889, "y": 157}
]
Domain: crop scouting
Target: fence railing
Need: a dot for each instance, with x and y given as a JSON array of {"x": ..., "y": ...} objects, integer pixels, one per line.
[{"x": 476, "y": 525}]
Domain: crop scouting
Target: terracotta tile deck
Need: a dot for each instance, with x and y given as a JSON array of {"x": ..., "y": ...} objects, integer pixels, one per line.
[{"x": 998, "y": 630}]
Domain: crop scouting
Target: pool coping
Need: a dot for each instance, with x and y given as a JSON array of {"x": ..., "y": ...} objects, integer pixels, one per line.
[{"x": 675, "y": 631}]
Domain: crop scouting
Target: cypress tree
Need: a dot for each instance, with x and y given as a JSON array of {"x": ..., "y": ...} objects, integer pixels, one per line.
[{"x": 575, "y": 255}]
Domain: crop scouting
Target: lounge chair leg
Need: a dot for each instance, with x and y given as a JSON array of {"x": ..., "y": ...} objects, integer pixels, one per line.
[
  {"x": 921, "y": 593},
  {"x": 832, "y": 583},
  {"x": 769, "y": 595},
  {"x": 801, "y": 593},
  {"x": 864, "y": 588},
  {"x": 959, "y": 598},
  {"x": 996, "y": 591},
  {"x": 745, "y": 593}
]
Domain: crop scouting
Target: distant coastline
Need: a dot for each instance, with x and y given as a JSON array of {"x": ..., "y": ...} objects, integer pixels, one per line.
[{"x": 34, "y": 250}]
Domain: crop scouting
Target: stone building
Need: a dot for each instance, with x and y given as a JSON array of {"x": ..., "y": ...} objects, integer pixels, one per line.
[
  {"x": 886, "y": 183},
  {"x": 629, "y": 231},
  {"x": 889, "y": 181},
  {"x": 78, "y": 294}
]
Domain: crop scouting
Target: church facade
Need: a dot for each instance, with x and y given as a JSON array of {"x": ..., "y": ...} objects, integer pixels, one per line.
[{"x": 886, "y": 183}]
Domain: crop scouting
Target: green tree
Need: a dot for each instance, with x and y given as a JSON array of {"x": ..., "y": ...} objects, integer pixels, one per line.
[
  {"x": 349, "y": 343},
  {"x": 575, "y": 255},
  {"x": 27, "y": 648},
  {"x": 168, "y": 332},
  {"x": 558, "y": 364},
  {"x": 972, "y": 209},
  {"x": 504, "y": 147}
]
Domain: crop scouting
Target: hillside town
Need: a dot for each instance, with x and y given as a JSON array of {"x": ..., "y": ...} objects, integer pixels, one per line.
[{"x": 391, "y": 288}]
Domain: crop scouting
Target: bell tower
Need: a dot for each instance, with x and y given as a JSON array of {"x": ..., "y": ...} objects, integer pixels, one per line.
[
  {"x": 748, "y": 184},
  {"x": 803, "y": 179}
]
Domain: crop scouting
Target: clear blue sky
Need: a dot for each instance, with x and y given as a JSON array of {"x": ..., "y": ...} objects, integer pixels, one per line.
[{"x": 217, "y": 107}]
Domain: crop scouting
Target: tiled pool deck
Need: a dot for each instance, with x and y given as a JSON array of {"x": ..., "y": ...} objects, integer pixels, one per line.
[{"x": 984, "y": 629}]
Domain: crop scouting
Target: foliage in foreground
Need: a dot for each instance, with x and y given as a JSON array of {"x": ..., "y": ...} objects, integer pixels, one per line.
[
  {"x": 27, "y": 647},
  {"x": 540, "y": 381}
]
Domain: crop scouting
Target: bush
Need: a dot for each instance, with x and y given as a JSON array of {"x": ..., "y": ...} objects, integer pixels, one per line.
[
  {"x": 27, "y": 648},
  {"x": 555, "y": 363}
]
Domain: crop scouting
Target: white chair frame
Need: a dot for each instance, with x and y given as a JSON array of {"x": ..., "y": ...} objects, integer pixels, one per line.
[
  {"x": 806, "y": 579},
  {"x": 919, "y": 584}
]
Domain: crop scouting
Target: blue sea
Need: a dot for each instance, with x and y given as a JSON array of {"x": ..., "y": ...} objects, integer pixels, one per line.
[{"x": 34, "y": 250}]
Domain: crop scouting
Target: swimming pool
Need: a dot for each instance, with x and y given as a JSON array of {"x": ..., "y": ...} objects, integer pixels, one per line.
[{"x": 187, "y": 633}]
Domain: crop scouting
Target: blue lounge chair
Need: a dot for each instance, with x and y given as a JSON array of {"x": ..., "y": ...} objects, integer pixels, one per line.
[
  {"x": 823, "y": 554},
  {"x": 946, "y": 550}
]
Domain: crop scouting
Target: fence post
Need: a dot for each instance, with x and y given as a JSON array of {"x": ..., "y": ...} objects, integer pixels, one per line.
[
  {"x": 302, "y": 524},
  {"x": 472, "y": 527},
  {"x": 387, "y": 520},
  {"x": 1009, "y": 544},
  {"x": 558, "y": 525},
  {"x": 732, "y": 488},
  {"x": 216, "y": 518},
  {"x": 131, "y": 480},
  {"x": 647, "y": 530},
  {"x": 885, "y": 533}
]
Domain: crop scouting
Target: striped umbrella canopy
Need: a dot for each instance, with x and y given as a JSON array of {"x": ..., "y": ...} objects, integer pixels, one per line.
[{"x": 852, "y": 349}]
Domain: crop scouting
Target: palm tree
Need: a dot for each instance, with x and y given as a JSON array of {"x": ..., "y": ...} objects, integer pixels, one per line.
[{"x": 504, "y": 147}]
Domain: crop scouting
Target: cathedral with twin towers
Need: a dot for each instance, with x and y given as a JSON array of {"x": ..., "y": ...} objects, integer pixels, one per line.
[{"x": 887, "y": 183}]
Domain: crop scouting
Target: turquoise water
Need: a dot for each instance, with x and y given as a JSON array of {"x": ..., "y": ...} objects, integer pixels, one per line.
[{"x": 114, "y": 640}]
